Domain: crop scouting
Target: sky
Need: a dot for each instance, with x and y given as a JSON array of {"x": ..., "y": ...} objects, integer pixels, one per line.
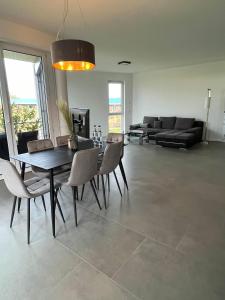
[
  {"x": 114, "y": 90},
  {"x": 20, "y": 78}
]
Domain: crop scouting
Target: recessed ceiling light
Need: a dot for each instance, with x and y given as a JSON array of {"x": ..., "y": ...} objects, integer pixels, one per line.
[{"x": 124, "y": 62}]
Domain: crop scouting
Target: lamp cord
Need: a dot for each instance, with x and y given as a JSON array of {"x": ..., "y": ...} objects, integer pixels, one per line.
[
  {"x": 65, "y": 14},
  {"x": 82, "y": 14}
]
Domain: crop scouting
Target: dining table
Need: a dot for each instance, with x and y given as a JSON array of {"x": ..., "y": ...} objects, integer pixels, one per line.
[
  {"x": 48, "y": 160},
  {"x": 51, "y": 159}
]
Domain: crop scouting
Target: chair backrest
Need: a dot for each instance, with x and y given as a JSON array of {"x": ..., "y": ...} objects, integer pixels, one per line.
[
  {"x": 111, "y": 158},
  {"x": 62, "y": 140},
  {"x": 12, "y": 179},
  {"x": 39, "y": 145},
  {"x": 84, "y": 166},
  {"x": 115, "y": 138}
]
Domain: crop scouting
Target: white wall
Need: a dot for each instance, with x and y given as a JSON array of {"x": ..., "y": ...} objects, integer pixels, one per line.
[
  {"x": 90, "y": 90},
  {"x": 182, "y": 92}
]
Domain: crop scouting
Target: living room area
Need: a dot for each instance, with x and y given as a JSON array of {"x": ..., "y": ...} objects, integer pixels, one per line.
[{"x": 152, "y": 227}]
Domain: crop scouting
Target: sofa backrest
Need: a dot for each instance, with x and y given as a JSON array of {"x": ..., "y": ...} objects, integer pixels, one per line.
[
  {"x": 149, "y": 120},
  {"x": 184, "y": 123},
  {"x": 167, "y": 122}
]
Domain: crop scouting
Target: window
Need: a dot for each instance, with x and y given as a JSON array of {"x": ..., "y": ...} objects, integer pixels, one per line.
[
  {"x": 116, "y": 106},
  {"x": 23, "y": 99}
]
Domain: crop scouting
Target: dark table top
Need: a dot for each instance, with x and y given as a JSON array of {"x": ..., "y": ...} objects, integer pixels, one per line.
[
  {"x": 47, "y": 159},
  {"x": 50, "y": 159}
]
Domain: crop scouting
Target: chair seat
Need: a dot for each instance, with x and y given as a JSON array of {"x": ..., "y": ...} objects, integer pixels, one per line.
[
  {"x": 61, "y": 179},
  {"x": 38, "y": 186},
  {"x": 42, "y": 173}
]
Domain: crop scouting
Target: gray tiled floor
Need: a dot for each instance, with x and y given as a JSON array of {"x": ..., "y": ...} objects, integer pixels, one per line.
[{"x": 165, "y": 239}]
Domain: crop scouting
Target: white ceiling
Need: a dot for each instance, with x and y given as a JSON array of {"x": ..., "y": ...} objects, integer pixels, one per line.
[{"x": 152, "y": 34}]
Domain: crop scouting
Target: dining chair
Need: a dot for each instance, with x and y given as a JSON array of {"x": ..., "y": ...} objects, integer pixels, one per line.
[
  {"x": 28, "y": 189},
  {"x": 110, "y": 161},
  {"x": 62, "y": 140},
  {"x": 36, "y": 146},
  {"x": 84, "y": 168},
  {"x": 115, "y": 138}
]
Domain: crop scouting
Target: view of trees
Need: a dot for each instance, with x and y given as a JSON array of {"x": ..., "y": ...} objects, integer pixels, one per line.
[{"x": 25, "y": 118}]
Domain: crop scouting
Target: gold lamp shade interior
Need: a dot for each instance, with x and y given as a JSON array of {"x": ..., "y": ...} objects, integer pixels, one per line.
[{"x": 73, "y": 55}]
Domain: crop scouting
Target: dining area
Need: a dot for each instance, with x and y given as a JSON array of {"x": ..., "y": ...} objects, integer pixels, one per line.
[{"x": 51, "y": 168}]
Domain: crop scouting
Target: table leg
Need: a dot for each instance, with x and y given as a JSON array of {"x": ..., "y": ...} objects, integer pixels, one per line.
[
  {"x": 52, "y": 201},
  {"x": 22, "y": 176},
  {"x": 123, "y": 173}
]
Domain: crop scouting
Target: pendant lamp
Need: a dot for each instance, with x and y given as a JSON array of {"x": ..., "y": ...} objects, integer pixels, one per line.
[{"x": 71, "y": 54}]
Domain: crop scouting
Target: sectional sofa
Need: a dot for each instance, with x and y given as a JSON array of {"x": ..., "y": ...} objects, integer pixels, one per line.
[{"x": 171, "y": 131}]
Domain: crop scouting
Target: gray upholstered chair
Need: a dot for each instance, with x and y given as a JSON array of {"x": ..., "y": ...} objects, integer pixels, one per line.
[
  {"x": 110, "y": 161},
  {"x": 62, "y": 140},
  {"x": 36, "y": 146},
  {"x": 31, "y": 188},
  {"x": 84, "y": 168},
  {"x": 43, "y": 145},
  {"x": 114, "y": 138}
]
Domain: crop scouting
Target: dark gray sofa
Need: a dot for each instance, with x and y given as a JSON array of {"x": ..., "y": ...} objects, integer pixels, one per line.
[{"x": 171, "y": 131}]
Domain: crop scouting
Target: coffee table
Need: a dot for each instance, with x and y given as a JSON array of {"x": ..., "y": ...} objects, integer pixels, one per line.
[{"x": 141, "y": 134}]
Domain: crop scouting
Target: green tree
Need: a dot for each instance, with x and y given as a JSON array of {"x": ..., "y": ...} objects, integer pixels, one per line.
[{"x": 25, "y": 118}]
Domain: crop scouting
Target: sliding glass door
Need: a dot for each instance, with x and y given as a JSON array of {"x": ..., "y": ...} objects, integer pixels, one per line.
[{"x": 23, "y": 102}]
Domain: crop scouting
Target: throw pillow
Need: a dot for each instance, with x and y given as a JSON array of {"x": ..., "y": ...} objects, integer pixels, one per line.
[{"x": 157, "y": 124}]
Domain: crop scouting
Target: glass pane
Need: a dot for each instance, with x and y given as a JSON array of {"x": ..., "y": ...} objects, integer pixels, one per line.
[
  {"x": 115, "y": 123},
  {"x": 115, "y": 97},
  {"x": 4, "y": 151},
  {"x": 22, "y": 71}
]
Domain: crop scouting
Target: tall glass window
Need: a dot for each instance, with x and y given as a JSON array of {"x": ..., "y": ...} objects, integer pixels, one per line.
[{"x": 116, "y": 107}]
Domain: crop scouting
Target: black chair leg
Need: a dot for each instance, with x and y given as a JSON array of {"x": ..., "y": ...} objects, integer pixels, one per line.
[
  {"x": 103, "y": 188},
  {"x": 94, "y": 191},
  {"x": 43, "y": 201},
  {"x": 77, "y": 195},
  {"x": 117, "y": 182},
  {"x": 123, "y": 173},
  {"x": 59, "y": 207},
  {"x": 74, "y": 203},
  {"x": 19, "y": 203},
  {"x": 98, "y": 182},
  {"x": 28, "y": 220},
  {"x": 108, "y": 179},
  {"x": 13, "y": 211},
  {"x": 82, "y": 192},
  {"x": 94, "y": 183}
]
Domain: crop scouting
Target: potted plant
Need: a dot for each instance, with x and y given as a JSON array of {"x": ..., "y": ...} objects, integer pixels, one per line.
[{"x": 67, "y": 115}]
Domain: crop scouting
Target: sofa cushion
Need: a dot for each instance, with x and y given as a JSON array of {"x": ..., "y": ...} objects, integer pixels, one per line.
[
  {"x": 174, "y": 135},
  {"x": 157, "y": 124},
  {"x": 150, "y": 120},
  {"x": 144, "y": 125},
  {"x": 153, "y": 131},
  {"x": 170, "y": 134},
  {"x": 168, "y": 122},
  {"x": 184, "y": 123}
]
